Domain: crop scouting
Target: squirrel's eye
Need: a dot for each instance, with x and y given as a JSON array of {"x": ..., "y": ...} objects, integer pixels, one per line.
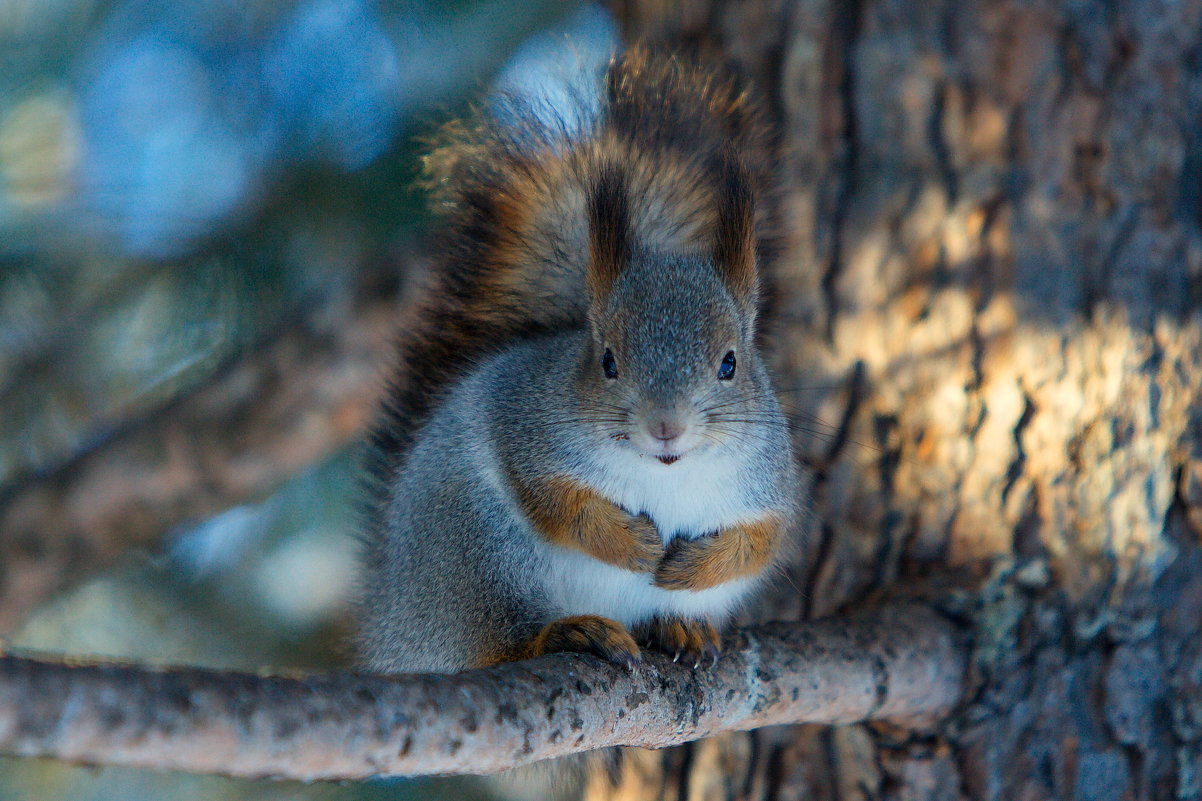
[
  {"x": 609, "y": 364},
  {"x": 726, "y": 370}
]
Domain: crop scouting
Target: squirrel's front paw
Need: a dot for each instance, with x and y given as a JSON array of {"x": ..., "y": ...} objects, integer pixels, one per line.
[
  {"x": 646, "y": 545},
  {"x": 587, "y": 634},
  {"x": 694, "y": 564},
  {"x": 736, "y": 552},
  {"x": 694, "y": 641},
  {"x": 631, "y": 542}
]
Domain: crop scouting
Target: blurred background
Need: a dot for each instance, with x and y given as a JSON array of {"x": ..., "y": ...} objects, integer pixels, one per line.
[{"x": 201, "y": 202}]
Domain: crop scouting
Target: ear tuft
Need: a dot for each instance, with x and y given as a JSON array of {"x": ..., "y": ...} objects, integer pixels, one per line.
[
  {"x": 609, "y": 230},
  {"x": 734, "y": 245}
]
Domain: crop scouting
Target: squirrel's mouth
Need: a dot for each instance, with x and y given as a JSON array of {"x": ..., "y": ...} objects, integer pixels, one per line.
[{"x": 664, "y": 458}]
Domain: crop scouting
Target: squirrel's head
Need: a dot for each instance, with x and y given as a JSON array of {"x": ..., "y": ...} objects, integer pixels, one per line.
[{"x": 672, "y": 367}]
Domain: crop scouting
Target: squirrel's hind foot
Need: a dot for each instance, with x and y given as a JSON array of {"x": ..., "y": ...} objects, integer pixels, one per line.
[
  {"x": 587, "y": 634},
  {"x": 694, "y": 642}
]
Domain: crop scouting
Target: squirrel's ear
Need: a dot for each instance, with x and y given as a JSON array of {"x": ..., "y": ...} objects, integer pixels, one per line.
[
  {"x": 734, "y": 246},
  {"x": 609, "y": 230}
]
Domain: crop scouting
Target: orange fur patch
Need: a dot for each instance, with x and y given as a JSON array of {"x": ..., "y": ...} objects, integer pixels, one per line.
[
  {"x": 731, "y": 553},
  {"x": 585, "y": 634},
  {"x": 571, "y": 515}
]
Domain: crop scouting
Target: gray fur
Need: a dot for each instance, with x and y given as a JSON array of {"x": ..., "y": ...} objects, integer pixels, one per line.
[{"x": 461, "y": 574}]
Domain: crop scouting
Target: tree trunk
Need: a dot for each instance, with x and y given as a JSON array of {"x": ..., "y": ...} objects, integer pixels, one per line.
[{"x": 989, "y": 322}]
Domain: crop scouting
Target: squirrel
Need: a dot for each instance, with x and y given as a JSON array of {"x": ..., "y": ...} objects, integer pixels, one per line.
[{"x": 582, "y": 450}]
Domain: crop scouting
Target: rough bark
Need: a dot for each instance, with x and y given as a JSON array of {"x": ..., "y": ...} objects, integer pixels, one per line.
[
  {"x": 994, "y": 254},
  {"x": 303, "y": 394},
  {"x": 905, "y": 665}
]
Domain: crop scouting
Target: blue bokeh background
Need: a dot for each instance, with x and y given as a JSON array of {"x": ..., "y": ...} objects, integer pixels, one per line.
[{"x": 177, "y": 180}]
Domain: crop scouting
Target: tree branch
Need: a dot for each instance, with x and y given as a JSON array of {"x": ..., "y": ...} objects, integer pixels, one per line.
[
  {"x": 903, "y": 664},
  {"x": 302, "y": 395}
]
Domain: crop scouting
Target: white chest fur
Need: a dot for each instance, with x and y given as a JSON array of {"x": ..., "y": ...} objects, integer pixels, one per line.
[
  {"x": 577, "y": 584},
  {"x": 695, "y": 496},
  {"x": 690, "y": 498}
]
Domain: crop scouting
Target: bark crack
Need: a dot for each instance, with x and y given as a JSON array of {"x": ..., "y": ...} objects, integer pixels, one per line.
[
  {"x": 846, "y": 29},
  {"x": 1014, "y": 470},
  {"x": 940, "y": 147}
]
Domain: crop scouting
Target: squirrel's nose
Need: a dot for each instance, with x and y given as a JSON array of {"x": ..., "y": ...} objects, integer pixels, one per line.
[{"x": 667, "y": 430}]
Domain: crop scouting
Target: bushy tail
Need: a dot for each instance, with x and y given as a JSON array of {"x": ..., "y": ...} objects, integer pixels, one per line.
[{"x": 509, "y": 256}]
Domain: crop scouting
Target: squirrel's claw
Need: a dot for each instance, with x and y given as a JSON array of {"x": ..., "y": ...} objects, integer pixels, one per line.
[{"x": 691, "y": 641}]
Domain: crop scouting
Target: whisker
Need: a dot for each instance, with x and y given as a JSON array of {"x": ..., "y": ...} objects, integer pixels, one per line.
[
  {"x": 577, "y": 421},
  {"x": 826, "y": 436},
  {"x": 813, "y": 388}
]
